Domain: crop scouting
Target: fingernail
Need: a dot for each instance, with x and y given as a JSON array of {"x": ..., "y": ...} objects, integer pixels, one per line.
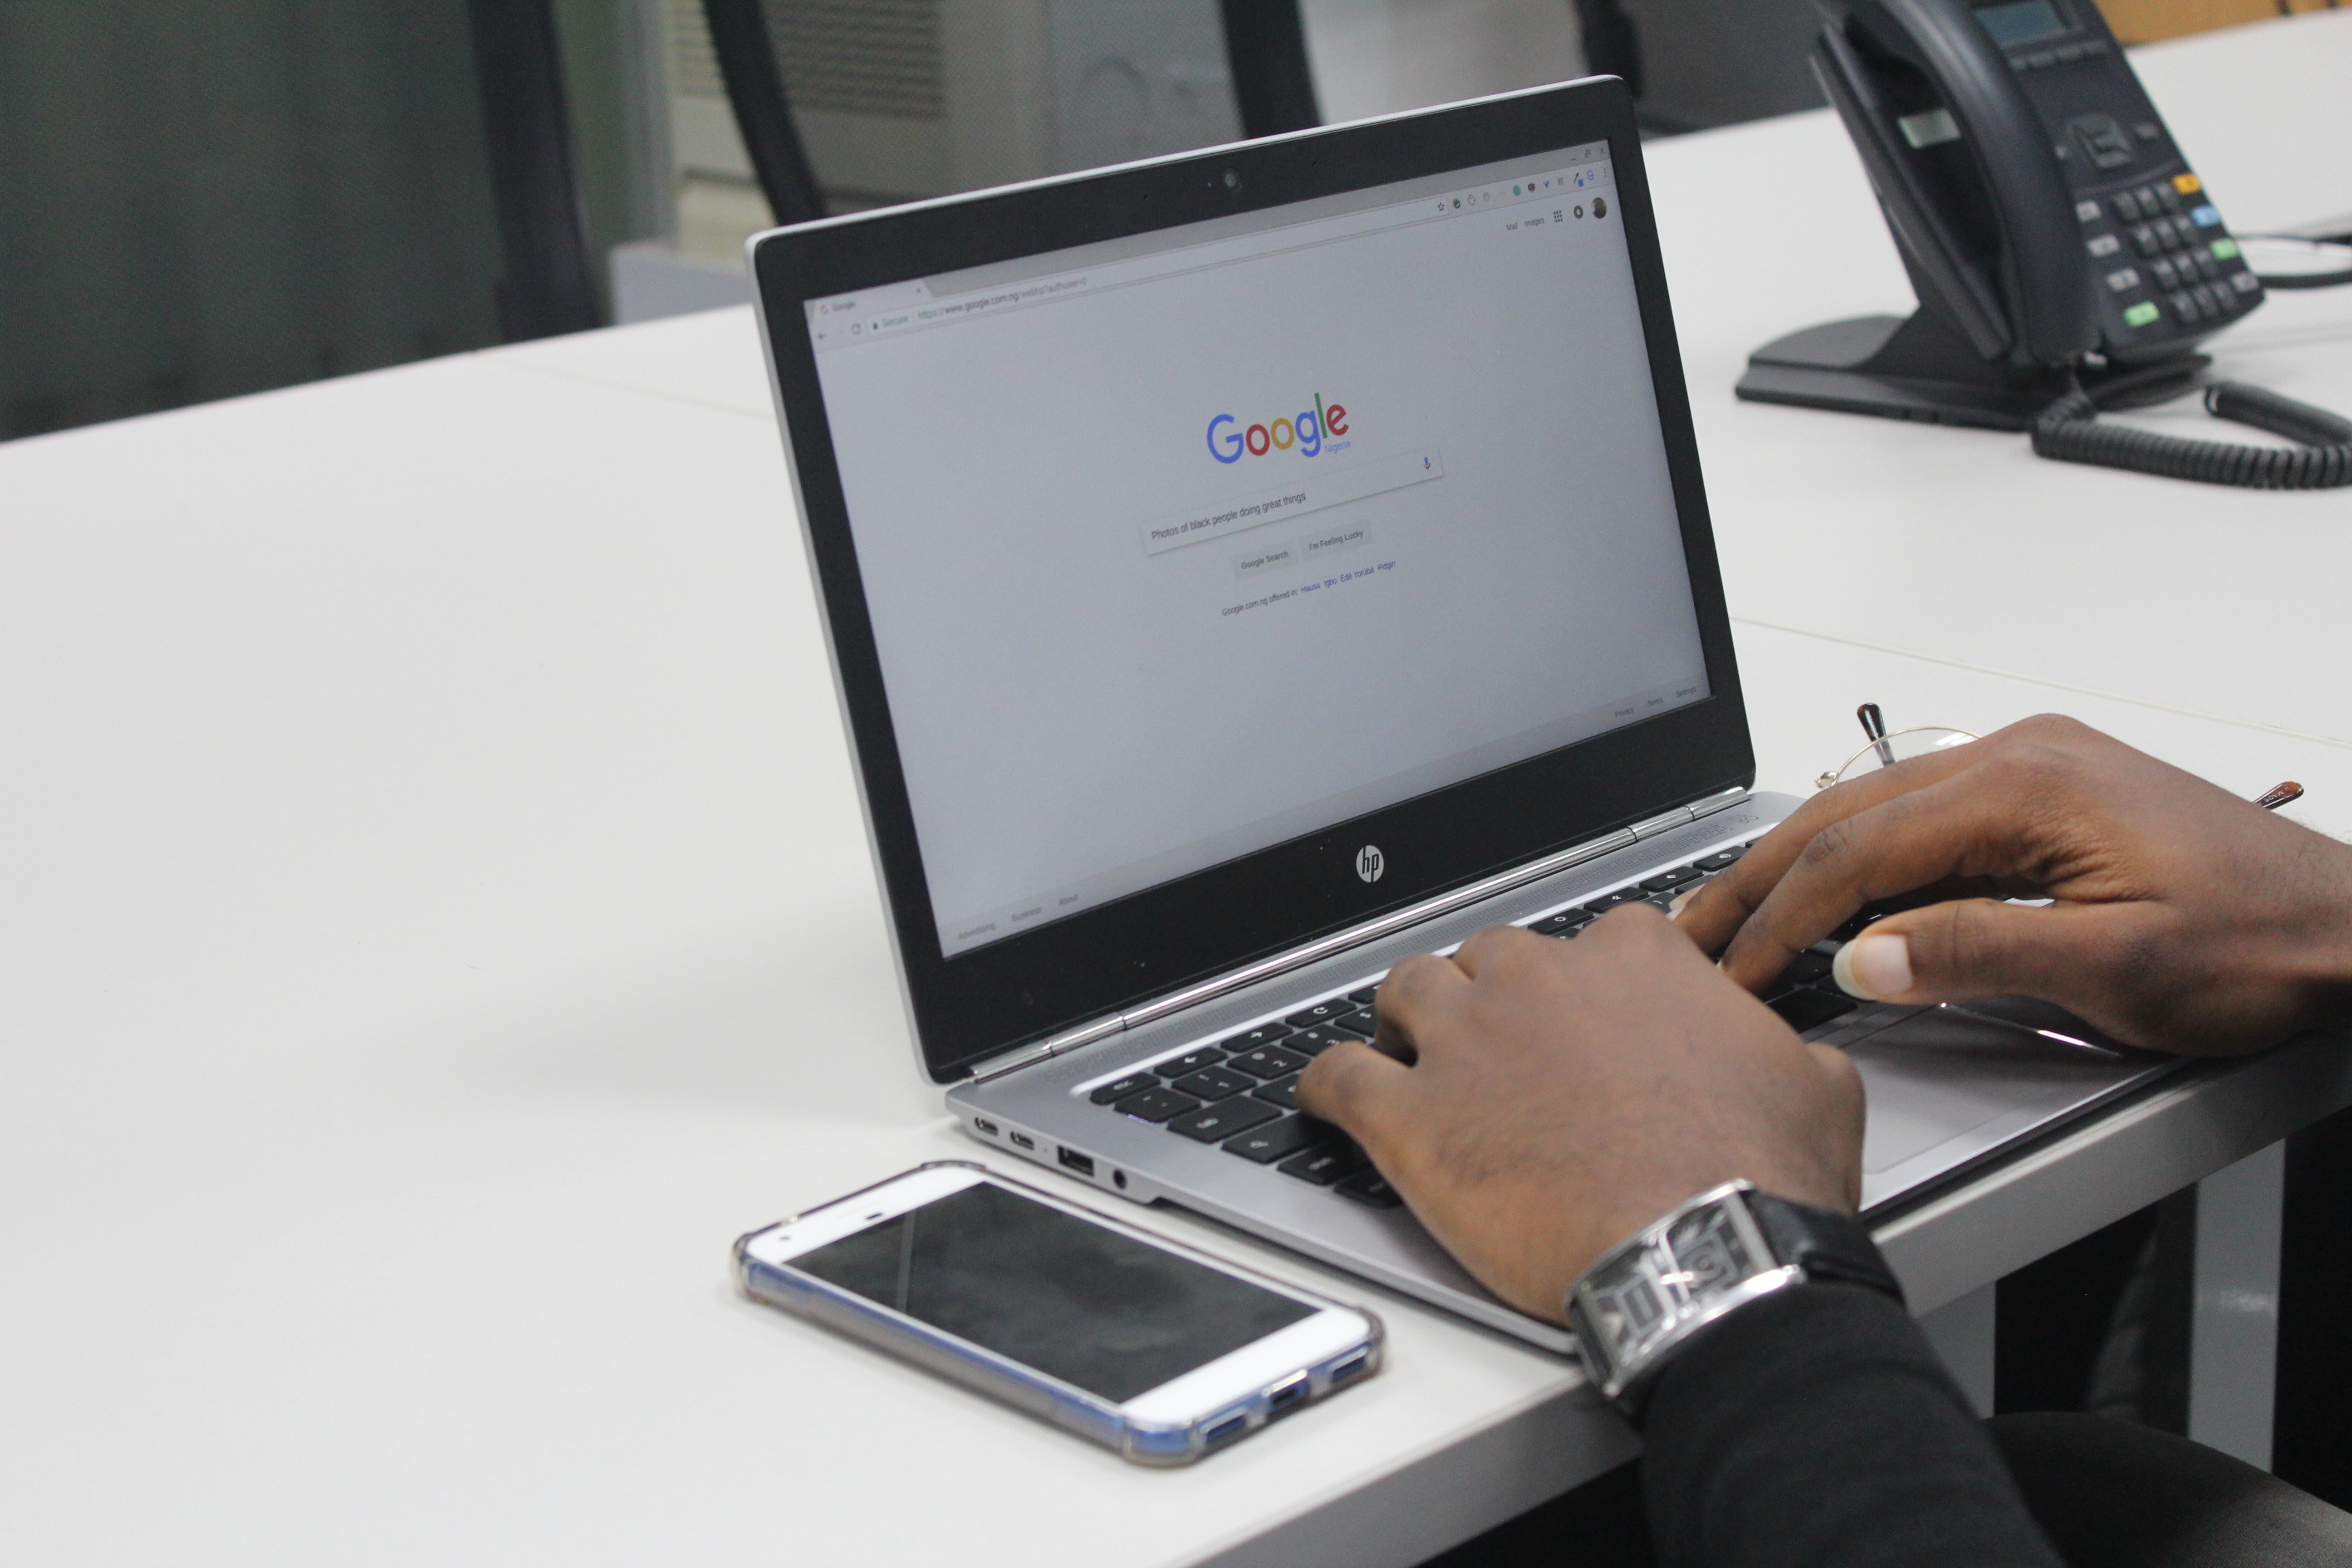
[{"x": 1874, "y": 967}]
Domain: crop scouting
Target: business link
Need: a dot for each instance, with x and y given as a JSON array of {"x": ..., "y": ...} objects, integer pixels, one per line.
[
  {"x": 1276, "y": 598},
  {"x": 1304, "y": 432}
]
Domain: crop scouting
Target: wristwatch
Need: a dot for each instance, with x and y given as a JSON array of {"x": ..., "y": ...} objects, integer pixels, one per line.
[{"x": 1635, "y": 1310}]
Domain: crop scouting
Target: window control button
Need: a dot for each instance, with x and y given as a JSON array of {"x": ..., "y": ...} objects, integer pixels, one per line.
[
  {"x": 1667, "y": 881},
  {"x": 1321, "y": 1013},
  {"x": 1133, "y": 1083},
  {"x": 1720, "y": 859},
  {"x": 1215, "y": 1123}
]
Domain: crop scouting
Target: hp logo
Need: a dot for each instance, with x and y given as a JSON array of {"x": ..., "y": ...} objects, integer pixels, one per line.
[{"x": 1371, "y": 863}]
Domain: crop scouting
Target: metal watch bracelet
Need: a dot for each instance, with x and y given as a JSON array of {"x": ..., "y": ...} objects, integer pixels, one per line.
[{"x": 1704, "y": 1259}]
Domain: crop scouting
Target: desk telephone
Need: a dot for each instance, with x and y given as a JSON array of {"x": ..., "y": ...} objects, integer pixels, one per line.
[{"x": 2065, "y": 255}]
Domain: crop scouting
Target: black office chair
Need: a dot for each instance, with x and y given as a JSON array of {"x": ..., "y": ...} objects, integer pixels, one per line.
[
  {"x": 1266, "y": 51},
  {"x": 1265, "y": 46},
  {"x": 755, "y": 90},
  {"x": 198, "y": 202},
  {"x": 550, "y": 286}
]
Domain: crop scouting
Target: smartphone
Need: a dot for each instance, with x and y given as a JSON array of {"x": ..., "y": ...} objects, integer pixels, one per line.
[{"x": 1151, "y": 1349}]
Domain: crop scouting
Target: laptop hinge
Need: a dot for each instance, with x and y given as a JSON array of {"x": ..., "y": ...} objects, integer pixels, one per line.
[
  {"x": 1340, "y": 942},
  {"x": 1051, "y": 1045}
]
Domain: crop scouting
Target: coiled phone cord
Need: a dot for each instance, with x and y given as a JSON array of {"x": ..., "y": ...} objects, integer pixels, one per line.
[{"x": 2069, "y": 431}]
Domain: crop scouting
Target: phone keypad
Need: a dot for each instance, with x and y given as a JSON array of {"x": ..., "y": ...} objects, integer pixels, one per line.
[{"x": 2188, "y": 269}]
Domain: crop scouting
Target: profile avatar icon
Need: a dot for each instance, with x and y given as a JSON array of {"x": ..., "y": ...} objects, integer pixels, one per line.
[{"x": 1600, "y": 206}]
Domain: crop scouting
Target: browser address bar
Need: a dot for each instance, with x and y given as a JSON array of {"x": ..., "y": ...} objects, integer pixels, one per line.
[{"x": 1412, "y": 211}]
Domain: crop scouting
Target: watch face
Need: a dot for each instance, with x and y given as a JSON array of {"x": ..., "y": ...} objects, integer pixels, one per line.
[
  {"x": 1628, "y": 1308},
  {"x": 1662, "y": 1285},
  {"x": 1709, "y": 1252}
]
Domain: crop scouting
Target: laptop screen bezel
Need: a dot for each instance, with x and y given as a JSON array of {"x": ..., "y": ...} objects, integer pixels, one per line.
[{"x": 990, "y": 1000}]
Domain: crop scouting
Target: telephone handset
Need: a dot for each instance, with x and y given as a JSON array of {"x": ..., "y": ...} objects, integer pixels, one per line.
[{"x": 2065, "y": 256}]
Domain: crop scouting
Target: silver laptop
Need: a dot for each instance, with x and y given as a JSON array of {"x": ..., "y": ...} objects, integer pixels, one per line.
[{"x": 1246, "y": 568}]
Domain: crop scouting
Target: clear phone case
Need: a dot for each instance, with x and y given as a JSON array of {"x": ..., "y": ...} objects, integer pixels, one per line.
[{"x": 1090, "y": 1415}]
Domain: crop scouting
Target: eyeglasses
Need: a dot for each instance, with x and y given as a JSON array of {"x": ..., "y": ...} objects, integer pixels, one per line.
[{"x": 1886, "y": 750}]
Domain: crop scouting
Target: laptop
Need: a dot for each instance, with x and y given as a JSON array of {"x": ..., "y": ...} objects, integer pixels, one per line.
[{"x": 1245, "y": 568}]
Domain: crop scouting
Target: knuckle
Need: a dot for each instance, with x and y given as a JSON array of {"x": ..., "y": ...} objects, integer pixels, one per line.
[
  {"x": 2057, "y": 728},
  {"x": 1330, "y": 1081},
  {"x": 1409, "y": 979},
  {"x": 1833, "y": 843}
]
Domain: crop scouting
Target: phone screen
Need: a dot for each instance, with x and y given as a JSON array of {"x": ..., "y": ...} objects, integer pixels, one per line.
[{"x": 1078, "y": 1301}]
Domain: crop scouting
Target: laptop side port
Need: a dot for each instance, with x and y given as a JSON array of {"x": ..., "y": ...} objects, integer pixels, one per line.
[
  {"x": 1353, "y": 1366},
  {"x": 1023, "y": 1141},
  {"x": 984, "y": 1125},
  {"x": 1225, "y": 1431},
  {"x": 1285, "y": 1396},
  {"x": 1084, "y": 1164}
]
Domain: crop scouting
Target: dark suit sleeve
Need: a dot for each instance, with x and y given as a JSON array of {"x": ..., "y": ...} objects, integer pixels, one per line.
[{"x": 1817, "y": 1429}]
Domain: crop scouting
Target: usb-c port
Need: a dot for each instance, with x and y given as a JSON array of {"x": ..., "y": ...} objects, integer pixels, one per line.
[
  {"x": 985, "y": 1125},
  {"x": 1350, "y": 1367},
  {"x": 1226, "y": 1430},
  {"x": 1023, "y": 1141},
  {"x": 1084, "y": 1164},
  {"x": 1283, "y": 1396}
]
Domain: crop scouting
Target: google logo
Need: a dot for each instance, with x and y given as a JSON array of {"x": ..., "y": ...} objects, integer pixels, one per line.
[{"x": 1306, "y": 431}]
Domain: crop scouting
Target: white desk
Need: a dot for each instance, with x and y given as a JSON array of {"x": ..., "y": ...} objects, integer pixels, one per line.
[{"x": 437, "y": 923}]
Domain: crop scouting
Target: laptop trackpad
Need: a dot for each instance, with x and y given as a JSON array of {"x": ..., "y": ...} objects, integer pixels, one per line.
[{"x": 1941, "y": 1075}]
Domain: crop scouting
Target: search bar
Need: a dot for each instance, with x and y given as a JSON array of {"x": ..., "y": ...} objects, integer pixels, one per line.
[{"x": 1292, "y": 496}]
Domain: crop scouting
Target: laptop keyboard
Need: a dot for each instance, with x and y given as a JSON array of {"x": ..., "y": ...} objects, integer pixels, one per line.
[{"x": 1240, "y": 1092}]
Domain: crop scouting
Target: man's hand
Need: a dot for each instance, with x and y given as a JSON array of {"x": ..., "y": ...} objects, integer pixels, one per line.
[
  {"x": 1561, "y": 1095},
  {"x": 2185, "y": 919}
]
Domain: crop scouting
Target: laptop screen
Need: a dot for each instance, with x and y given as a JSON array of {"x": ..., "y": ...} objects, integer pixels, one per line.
[{"x": 1186, "y": 544}]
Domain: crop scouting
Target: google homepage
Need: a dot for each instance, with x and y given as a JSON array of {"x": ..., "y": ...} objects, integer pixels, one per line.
[{"x": 1176, "y": 554}]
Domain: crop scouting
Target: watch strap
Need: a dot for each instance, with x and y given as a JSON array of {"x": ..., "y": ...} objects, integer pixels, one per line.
[{"x": 1826, "y": 1245}]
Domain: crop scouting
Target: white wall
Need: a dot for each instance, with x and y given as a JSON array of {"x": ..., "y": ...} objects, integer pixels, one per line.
[{"x": 1376, "y": 56}]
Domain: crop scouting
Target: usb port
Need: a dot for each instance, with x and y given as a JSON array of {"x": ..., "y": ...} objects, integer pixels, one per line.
[
  {"x": 1084, "y": 1164},
  {"x": 1350, "y": 1367},
  {"x": 1023, "y": 1141},
  {"x": 985, "y": 1125},
  {"x": 1226, "y": 1430},
  {"x": 1283, "y": 1396}
]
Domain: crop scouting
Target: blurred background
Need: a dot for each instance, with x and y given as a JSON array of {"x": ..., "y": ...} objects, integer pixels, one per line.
[{"x": 201, "y": 198}]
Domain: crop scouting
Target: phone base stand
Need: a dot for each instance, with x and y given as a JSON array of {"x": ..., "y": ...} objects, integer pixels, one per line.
[{"x": 1897, "y": 368}]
